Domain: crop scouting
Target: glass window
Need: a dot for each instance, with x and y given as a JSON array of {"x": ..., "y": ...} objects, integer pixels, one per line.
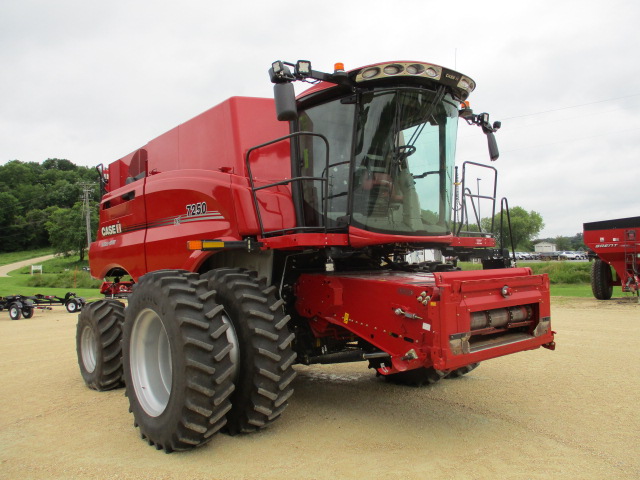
[
  {"x": 404, "y": 154},
  {"x": 334, "y": 120}
]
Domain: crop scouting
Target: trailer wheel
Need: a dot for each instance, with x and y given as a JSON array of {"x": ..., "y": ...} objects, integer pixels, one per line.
[
  {"x": 98, "y": 336},
  {"x": 27, "y": 312},
  {"x": 459, "y": 372},
  {"x": 601, "y": 280},
  {"x": 15, "y": 311},
  {"x": 417, "y": 377},
  {"x": 177, "y": 360},
  {"x": 72, "y": 306},
  {"x": 262, "y": 344}
]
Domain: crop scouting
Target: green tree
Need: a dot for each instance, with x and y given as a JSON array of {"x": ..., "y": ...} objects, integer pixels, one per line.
[
  {"x": 562, "y": 243},
  {"x": 67, "y": 229},
  {"x": 524, "y": 228},
  {"x": 28, "y": 190}
]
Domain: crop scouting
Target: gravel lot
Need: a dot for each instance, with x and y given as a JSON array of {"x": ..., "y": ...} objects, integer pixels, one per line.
[{"x": 568, "y": 414}]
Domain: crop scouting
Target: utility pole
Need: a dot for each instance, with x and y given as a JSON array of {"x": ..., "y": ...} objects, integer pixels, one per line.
[{"x": 86, "y": 195}]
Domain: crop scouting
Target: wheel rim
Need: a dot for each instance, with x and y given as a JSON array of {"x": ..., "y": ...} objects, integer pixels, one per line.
[
  {"x": 13, "y": 312},
  {"x": 150, "y": 362},
  {"x": 89, "y": 348},
  {"x": 235, "y": 348},
  {"x": 71, "y": 306}
]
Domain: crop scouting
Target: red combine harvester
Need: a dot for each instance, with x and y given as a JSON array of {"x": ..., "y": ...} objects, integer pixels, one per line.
[
  {"x": 617, "y": 244},
  {"x": 262, "y": 234}
]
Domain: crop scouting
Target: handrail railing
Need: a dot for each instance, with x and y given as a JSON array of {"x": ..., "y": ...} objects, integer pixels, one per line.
[
  {"x": 323, "y": 179},
  {"x": 466, "y": 194},
  {"x": 504, "y": 207}
]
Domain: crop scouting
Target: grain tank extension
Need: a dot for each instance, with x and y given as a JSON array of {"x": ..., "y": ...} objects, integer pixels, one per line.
[{"x": 266, "y": 233}]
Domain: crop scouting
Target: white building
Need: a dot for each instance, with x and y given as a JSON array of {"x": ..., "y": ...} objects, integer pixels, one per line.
[{"x": 544, "y": 247}]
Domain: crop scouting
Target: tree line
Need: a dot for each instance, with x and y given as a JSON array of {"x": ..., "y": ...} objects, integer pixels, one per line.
[{"x": 41, "y": 205}]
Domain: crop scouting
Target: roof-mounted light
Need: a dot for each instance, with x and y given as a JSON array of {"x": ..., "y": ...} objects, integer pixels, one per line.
[
  {"x": 415, "y": 69},
  {"x": 303, "y": 68},
  {"x": 431, "y": 72},
  {"x": 393, "y": 69},
  {"x": 370, "y": 73}
]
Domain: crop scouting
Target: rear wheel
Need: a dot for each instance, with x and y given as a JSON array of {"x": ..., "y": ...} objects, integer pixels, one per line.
[
  {"x": 15, "y": 311},
  {"x": 72, "y": 306},
  {"x": 417, "y": 377},
  {"x": 262, "y": 346},
  {"x": 98, "y": 336},
  {"x": 601, "y": 280},
  {"x": 27, "y": 312},
  {"x": 177, "y": 360}
]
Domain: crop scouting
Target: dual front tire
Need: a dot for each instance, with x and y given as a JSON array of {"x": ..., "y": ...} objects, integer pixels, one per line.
[{"x": 200, "y": 354}]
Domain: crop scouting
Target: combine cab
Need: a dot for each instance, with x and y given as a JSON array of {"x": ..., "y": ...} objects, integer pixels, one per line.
[
  {"x": 617, "y": 245},
  {"x": 265, "y": 233}
]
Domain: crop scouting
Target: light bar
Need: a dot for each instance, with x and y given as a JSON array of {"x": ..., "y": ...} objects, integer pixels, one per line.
[{"x": 461, "y": 84}]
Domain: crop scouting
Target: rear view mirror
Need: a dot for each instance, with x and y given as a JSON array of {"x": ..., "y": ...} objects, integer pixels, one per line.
[
  {"x": 285, "y": 98},
  {"x": 493, "y": 146}
]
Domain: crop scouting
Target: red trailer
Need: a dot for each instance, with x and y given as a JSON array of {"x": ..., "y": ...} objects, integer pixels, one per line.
[
  {"x": 617, "y": 245},
  {"x": 263, "y": 233}
]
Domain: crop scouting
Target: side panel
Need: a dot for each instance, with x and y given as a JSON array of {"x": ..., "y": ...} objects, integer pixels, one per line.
[{"x": 186, "y": 205}]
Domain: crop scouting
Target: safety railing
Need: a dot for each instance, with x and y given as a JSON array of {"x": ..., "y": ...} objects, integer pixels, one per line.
[{"x": 297, "y": 198}]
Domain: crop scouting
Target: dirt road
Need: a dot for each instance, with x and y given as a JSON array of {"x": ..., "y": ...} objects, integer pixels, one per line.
[
  {"x": 568, "y": 414},
  {"x": 5, "y": 269}
]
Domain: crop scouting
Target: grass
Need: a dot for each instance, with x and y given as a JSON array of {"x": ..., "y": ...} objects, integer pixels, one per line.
[
  {"x": 12, "y": 257},
  {"x": 60, "y": 275}
]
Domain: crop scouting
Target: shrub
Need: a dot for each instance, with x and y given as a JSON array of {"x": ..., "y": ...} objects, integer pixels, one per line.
[{"x": 69, "y": 279}]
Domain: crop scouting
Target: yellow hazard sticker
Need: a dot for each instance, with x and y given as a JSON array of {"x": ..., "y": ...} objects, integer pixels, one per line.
[{"x": 345, "y": 317}]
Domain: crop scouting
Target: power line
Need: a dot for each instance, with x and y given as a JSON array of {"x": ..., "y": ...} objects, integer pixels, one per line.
[{"x": 571, "y": 106}]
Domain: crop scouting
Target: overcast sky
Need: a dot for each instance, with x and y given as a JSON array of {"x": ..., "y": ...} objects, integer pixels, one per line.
[{"x": 91, "y": 81}]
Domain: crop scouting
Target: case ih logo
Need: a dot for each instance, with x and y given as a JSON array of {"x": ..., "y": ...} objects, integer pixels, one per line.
[{"x": 111, "y": 230}]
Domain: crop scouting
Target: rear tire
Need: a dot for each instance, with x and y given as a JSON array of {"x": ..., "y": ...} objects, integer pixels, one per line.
[
  {"x": 27, "y": 312},
  {"x": 177, "y": 360},
  {"x": 601, "y": 280},
  {"x": 98, "y": 337},
  {"x": 15, "y": 311},
  {"x": 72, "y": 306},
  {"x": 265, "y": 357},
  {"x": 417, "y": 377}
]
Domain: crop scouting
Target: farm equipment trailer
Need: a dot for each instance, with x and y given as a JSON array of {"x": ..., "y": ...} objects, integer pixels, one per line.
[
  {"x": 617, "y": 245},
  {"x": 22, "y": 305},
  {"x": 269, "y": 232}
]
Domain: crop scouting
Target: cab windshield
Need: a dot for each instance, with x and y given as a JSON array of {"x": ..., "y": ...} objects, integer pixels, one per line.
[{"x": 401, "y": 178}]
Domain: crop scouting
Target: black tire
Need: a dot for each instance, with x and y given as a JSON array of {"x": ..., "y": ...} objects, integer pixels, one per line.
[
  {"x": 72, "y": 306},
  {"x": 459, "y": 372},
  {"x": 177, "y": 360},
  {"x": 27, "y": 312},
  {"x": 417, "y": 377},
  {"x": 15, "y": 311},
  {"x": 601, "y": 280},
  {"x": 98, "y": 337},
  {"x": 265, "y": 357}
]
